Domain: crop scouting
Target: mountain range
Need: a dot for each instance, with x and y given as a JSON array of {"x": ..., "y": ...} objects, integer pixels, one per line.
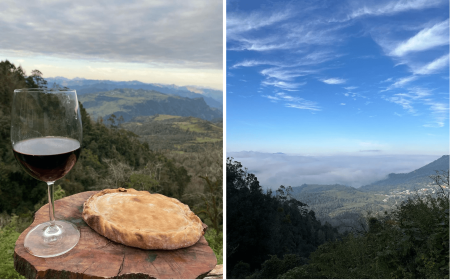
[
  {"x": 212, "y": 97},
  {"x": 175, "y": 133},
  {"x": 343, "y": 205},
  {"x": 131, "y": 103},
  {"x": 412, "y": 180}
]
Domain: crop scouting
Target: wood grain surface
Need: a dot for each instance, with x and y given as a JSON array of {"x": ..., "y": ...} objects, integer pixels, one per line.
[{"x": 97, "y": 257}]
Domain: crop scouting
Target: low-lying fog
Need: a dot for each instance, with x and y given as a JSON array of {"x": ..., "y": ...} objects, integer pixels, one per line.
[{"x": 273, "y": 170}]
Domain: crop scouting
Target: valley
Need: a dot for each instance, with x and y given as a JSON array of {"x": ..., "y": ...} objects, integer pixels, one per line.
[{"x": 345, "y": 207}]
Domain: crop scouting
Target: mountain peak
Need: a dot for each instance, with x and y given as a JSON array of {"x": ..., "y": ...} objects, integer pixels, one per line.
[{"x": 411, "y": 180}]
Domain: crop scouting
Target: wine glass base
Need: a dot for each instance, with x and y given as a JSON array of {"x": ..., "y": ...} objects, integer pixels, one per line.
[{"x": 46, "y": 241}]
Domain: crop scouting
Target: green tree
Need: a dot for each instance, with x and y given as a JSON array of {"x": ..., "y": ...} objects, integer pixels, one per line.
[
  {"x": 8, "y": 237},
  {"x": 144, "y": 182}
]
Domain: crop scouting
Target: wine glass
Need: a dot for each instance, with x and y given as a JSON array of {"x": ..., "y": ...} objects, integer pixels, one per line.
[{"x": 46, "y": 135}]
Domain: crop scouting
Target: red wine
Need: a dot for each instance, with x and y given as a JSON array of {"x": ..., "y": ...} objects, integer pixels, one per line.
[{"x": 48, "y": 158}]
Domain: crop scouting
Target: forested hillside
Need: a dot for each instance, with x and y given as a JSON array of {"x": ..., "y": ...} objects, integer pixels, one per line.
[
  {"x": 129, "y": 103},
  {"x": 176, "y": 133},
  {"x": 344, "y": 207},
  {"x": 111, "y": 157},
  {"x": 273, "y": 235},
  {"x": 415, "y": 179},
  {"x": 212, "y": 97},
  {"x": 261, "y": 224}
]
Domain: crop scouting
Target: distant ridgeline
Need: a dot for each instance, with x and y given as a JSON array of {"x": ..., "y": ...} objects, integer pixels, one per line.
[
  {"x": 186, "y": 134},
  {"x": 214, "y": 98},
  {"x": 130, "y": 103},
  {"x": 416, "y": 179},
  {"x": 343, "y": 205}
]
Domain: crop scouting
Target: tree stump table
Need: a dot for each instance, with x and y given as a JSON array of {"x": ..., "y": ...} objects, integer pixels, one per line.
[{"x": 98, "y": 257}]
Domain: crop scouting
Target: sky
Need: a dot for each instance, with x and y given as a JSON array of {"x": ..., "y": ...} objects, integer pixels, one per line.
[
  {"x": 159, "y": 41},
  {"x": 363, "y": 81}
]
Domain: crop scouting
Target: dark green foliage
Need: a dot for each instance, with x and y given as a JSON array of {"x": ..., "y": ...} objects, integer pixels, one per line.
[
  {"x": 130, "y": 103},
  {"x": 8, "y": 237},
  {"x": 410, "y": 242},
  {"x": 262, "y": 224},
  {"x": 273, "y": 267},
  {"x": 212, "y": 199},
  {"x": 111, "y": 157},
  {"x": 215, "y": 241},
  {"x": 175, "y": 133},
  {"x": 20, "y": 192}
]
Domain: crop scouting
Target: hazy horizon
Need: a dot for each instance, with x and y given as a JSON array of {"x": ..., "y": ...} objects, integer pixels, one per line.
[
  {"x": 349, "y": 91},
  {"x": 338, "y": 77},
  {"x": 274, "y": 169}
]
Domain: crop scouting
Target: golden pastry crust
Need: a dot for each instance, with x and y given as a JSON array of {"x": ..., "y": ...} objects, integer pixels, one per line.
[{"x": 143, "y": 220}]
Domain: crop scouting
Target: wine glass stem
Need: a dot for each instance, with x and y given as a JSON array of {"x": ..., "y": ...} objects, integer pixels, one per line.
[{"x": 51, "y": 202}]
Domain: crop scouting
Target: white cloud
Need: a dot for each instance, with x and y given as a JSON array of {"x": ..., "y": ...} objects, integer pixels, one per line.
[
  {"x": 274, "y": 170},
  {"x": 428, "y": 38},
  {"x": 240, "y": 23},
  {"x": 283, "y": 85},
  {"x": 401, "y": 82},
  {"x": 350, "y": 88},
  {"x": 402, "y": 101},
  {"x": 261, "y": 44},
  {"x": 422, "y": 96},
  {"x": 439, "y": 112},
  {"x": 293, "y": 101},
  {"x": 333, "y": 81},
  {"x": 342, "y": 103},
  {"x": 285, "y": 74},
  {"x": 390, "y": 7},
  {"x": 251, "y": 63},
  {"x": 304, "y": 106},
  {"x": 433, "y": 66},
  {"x": 188, "y": 34}
]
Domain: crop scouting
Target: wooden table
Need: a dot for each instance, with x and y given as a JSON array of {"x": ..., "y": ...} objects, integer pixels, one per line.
[{"x": 97, "y": 257}]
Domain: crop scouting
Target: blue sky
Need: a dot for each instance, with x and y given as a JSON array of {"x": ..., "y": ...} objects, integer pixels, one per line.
[
  {"x": 362, "y": 80},
  {"x": 338, "y": 77}
]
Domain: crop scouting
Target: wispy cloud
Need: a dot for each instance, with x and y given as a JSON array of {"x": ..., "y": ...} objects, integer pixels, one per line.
[
  {"x": 293, "y": 101},
  {"x": 350, "y": 88},
  {"x": 378, "y": 8},
  {"x": 251, "y": 63},
  {"x": 433, "y": 67},
  {"x": 333, "y": 81},
  {"x": 282, "y": 84},
  {"x": 401, "y": 82},
  {"x": 285, "y": 74},
  {"x": 241, "y": 23},
  {"x": 428, "y": 38},
  {"x": 261, "y": 44},
  {"x": 440, "y": 113},
  {"x": 415, "y": 97}
]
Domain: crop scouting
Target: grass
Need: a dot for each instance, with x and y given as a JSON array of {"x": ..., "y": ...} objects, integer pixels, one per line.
[
  {"x": 165, "y": 117},
  {"x": 207, "y": 139},
  {"x": 216, "y": 243}
]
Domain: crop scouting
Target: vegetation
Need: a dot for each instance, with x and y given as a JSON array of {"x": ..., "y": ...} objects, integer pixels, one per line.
[
  {"x": 261, "y": 225},
  {"x": 131, "y": 103},
  {"x": 409, "y": 241},
  {"x": 215, "y": 241},
  {"x": 178, "y": 134},
  {"x": 111, "y": 157}
]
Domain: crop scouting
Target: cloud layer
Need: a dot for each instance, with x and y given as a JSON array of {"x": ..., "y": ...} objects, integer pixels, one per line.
[
  {"x": 273, "y": 170},
  {"x": 186, "y": 34}
]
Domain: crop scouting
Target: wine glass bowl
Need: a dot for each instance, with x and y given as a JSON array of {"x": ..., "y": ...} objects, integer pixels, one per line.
[{"x": 46, "y": 134}]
